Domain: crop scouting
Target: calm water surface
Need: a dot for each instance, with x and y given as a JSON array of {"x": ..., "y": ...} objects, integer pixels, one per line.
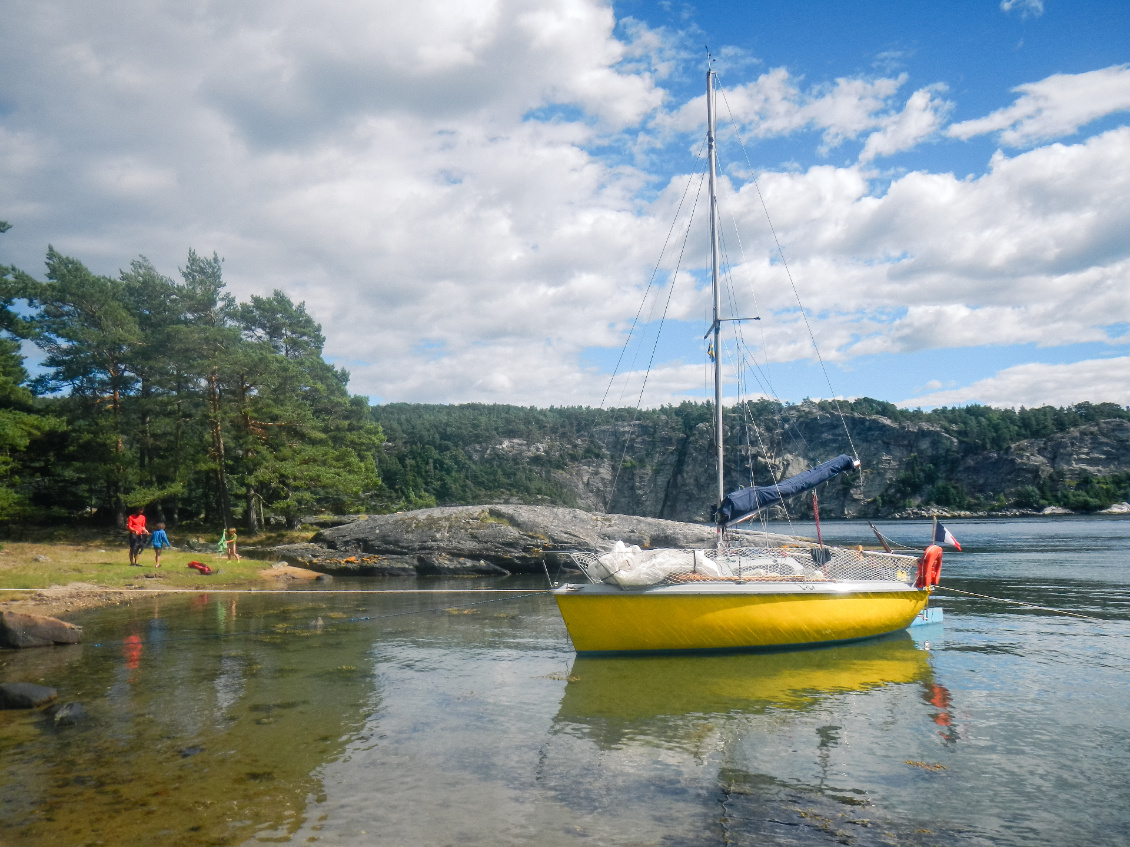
[{"x": 425, "y": 719}]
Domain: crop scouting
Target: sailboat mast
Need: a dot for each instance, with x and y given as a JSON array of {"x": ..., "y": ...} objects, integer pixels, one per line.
[{"x": 717, "y": 326}]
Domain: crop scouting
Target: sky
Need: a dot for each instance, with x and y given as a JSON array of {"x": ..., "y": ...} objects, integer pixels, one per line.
[{"x": 926, "y": 203}]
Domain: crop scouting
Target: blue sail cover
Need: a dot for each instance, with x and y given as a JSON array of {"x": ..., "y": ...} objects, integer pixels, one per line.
[{"x": 748, "y": 501}]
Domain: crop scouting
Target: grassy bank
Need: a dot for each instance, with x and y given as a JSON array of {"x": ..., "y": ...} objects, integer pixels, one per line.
[{"x": 93, "y": 570}]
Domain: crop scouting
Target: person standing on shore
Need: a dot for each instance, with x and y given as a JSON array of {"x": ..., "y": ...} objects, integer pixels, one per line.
[
  {"x": 160, "y": 541},
  {"x": 232, "y": 554},
  {"x": 137, "y": 533}
]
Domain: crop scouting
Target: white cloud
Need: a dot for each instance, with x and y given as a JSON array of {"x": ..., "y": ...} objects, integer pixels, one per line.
[
  {"x": 1054, "y": 107},
  {"x": 373, "y": 160},
  {"x": 1036, "y": 384},
  {"x": 919, "y": 119},
  {"x": 1031, "y": 252},
  {"x": 774, "y": 104},
  {"x": 434, "y": 180},
  {"x": 1034, "y": 8}
]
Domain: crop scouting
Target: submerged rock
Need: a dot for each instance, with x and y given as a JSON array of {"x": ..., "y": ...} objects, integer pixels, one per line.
[
  {"x": 20, "y": 630},
  {"x": 69, "y": 714},
  {"x": 286, "y": 572},
  {"x": 25, "y": 695},
  {"x": 441, "y": 564}
]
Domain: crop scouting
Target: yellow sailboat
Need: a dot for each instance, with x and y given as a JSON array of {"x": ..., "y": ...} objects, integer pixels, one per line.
[
  {"x": 741, "y": 599},
  {"x": 747, "y": 594}
]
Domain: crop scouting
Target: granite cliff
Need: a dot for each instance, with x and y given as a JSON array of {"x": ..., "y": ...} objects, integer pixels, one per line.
[{"x": 660, "y": 463}]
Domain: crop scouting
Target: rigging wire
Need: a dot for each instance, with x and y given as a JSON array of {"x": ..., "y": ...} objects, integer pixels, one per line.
[
  {"x": 655, "y": 344},
  {"x": 740, "y": 371},
  {"x": 650, "y": 282},
  {"x": 785, "y": 424},
  {"x": 792, "y": 282},
  {"x": 740, "y": 345}
]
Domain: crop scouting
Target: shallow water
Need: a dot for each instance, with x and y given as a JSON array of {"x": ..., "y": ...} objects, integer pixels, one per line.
[{"x": 436, "y": 719}]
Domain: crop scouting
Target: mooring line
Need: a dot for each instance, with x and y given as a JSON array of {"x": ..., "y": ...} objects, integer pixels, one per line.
[
  {"x": 98, "y": 589},
  {"x": 1028, "y": 605}
]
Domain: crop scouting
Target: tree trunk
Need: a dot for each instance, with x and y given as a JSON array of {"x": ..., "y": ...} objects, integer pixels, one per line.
[
  {"x": 252, "y": 512},
  {"x": 178, "y": 438},
  {"x": 119, "y": 502},
  {"x": 291, "y": 517},
  {"x": 223, "y": 498},
  {"x": 252, "y": 515},
  {"x": 145, "y": 448}
]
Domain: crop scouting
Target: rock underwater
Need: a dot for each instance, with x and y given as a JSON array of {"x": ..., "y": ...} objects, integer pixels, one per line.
[
  {"x": 25, "y": 695},
  {"x": 20, "y": 630}
]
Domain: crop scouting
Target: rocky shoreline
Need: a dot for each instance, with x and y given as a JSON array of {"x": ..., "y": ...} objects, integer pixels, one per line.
[
  {"x": 502, "y": 539},
  {"x": 925, "y": 513}
]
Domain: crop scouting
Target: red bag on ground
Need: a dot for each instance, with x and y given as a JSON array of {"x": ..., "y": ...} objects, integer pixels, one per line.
[{"x": 200, "y": 566}]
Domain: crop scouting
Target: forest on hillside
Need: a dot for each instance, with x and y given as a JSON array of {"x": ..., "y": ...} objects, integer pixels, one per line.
[
  {"x": 166, "y": 393},
  {"x": 440, "y": 454}
]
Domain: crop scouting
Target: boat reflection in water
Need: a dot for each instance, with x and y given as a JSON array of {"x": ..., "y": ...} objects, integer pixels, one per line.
[
  {"x": 760, "y": 748},
  {"x": 621, "y": 691}
]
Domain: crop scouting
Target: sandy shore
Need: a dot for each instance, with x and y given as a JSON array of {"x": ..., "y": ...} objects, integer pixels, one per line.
[{"x": 59, "y": 601}]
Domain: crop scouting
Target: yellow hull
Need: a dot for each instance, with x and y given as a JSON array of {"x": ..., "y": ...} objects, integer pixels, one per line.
[{"x": 604, "y": 620}]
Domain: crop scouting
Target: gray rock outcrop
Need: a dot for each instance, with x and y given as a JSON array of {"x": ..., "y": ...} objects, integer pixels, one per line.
[
  {"x": 494, "y": 539},
  {"x": 20, "y": 630},
  {"x": 655, "y": 467},
  {"x": 1097, "y": 449}
]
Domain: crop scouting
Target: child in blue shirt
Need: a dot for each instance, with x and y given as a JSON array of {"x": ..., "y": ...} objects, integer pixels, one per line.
[{"x": 159, "y": 541}]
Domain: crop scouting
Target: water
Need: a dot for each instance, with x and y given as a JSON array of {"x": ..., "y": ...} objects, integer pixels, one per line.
[{"x": 217, "y": 720}]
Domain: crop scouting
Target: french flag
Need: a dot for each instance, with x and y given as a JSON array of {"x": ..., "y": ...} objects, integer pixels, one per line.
[{"x": 943, "y": 536}]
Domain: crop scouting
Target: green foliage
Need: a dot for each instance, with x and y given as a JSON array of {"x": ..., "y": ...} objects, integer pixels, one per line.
[
  {"x": 21, "y": 423},
  {"x": 178, "y": 399},
  {"x": 980, "y": 428},
  {"x": 949, "y": 495},
  {"x": 1087, "y": 493}
]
